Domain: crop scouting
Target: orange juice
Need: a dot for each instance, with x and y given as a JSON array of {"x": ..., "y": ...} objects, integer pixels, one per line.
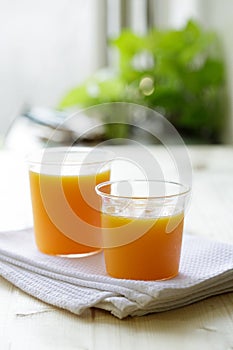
[
  {"x": 50, "y": 238},
  {"x": 154, "y": 255}
]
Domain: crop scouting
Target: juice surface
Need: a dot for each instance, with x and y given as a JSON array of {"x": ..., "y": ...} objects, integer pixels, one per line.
[
  {"x": 153, "y": 256},
  {"x": 49, "y": 238}
]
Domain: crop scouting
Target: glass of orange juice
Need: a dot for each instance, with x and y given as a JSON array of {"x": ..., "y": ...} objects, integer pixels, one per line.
[
  {"x": 66, "y": 209},
  {"x": 142, "y": 227}
]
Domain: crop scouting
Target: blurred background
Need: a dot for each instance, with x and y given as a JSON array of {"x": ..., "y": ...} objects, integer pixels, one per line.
[{"x": 62, "y": 56}]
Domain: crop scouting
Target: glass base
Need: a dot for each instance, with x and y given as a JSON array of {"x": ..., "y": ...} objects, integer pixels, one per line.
[
  {"x": 140, "y": 278},
  {"x": 79, "y": 255}
]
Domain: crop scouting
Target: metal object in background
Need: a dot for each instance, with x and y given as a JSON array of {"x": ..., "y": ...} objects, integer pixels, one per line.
[{"x": 38, "y": 127}]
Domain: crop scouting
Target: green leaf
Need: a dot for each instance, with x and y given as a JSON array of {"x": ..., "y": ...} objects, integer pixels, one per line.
[{"x": 186, "y": 67}]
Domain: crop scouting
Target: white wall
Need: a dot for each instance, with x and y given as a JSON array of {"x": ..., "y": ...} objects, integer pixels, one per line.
[
  {"x": 174, "y": 13},
  {"x": 46, "y": 47}
]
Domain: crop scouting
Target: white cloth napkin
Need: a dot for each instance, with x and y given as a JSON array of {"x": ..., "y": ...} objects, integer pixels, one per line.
[{"x": 77, "y": 284}]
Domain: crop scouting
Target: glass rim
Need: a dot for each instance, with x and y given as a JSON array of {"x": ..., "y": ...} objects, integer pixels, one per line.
[
  {"x": 37, "y": 156},
  {"x": 186, "y": 190}
]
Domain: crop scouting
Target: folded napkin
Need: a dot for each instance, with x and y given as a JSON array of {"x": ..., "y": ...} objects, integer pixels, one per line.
[{"x": 76, "y": 284}]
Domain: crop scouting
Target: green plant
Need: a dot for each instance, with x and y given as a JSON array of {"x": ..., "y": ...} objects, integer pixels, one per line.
[{"x": 180, "y": 73}]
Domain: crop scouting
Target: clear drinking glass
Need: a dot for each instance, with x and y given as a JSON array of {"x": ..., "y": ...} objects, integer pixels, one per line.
[
  {"x": 66, "y": 209},
  {"x": 142, "y": 227}
]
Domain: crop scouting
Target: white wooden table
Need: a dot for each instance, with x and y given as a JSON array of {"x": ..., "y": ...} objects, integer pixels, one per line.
[{"x": 26, "y": 323}]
